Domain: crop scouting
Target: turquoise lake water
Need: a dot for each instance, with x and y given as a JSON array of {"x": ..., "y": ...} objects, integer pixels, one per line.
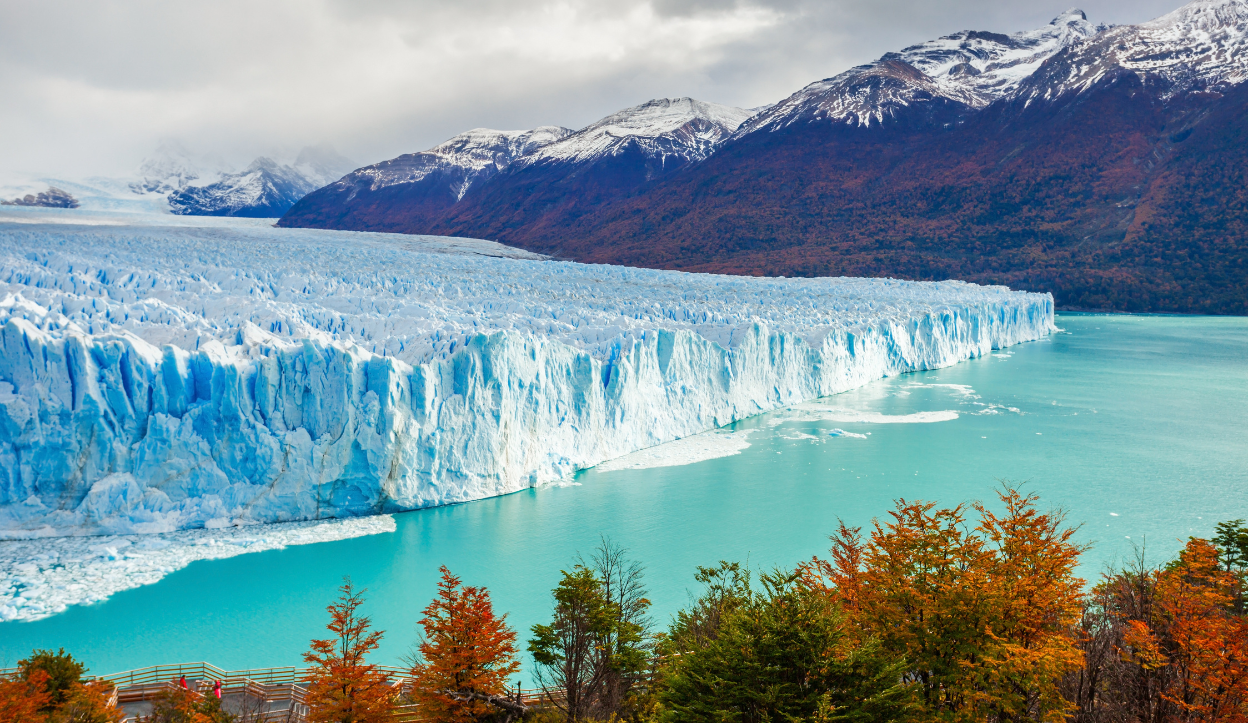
[{"x": 1135, "y": 425}]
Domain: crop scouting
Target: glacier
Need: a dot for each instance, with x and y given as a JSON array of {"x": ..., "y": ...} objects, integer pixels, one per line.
[{"x": 164, "y": 378}]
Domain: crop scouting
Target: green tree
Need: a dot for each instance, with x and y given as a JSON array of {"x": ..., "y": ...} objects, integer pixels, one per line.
[
  {"x": 782, "y": 654},
  {"x": 64, "y": 674},
  {"x": 726, "y": 587},
  {"x": 625, "y": 650},
  {"x": 567, "y": 651},
  {"x": 1232, "y": 543}
]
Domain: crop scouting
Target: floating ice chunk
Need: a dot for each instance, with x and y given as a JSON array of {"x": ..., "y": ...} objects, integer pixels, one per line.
[
  {"x": 39, "y": 578},
  {"x": 690, "y": 450},
  {"x": 818, "y": 412},
  {"x": 843, "y": 433}
]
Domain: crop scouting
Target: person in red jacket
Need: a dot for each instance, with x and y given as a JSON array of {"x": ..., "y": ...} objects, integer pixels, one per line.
[{"x": 216, "y": 689}]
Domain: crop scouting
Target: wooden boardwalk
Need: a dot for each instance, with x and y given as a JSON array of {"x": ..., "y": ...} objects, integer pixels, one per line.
[{"x": 260, "y": 695}]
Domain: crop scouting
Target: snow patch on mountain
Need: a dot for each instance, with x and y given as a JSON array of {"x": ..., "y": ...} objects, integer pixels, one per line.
[
  {"x": 1202, "y": 46},
  {"x": 265, "y": 189},
  {"x": 466, "y": 160},
  {"x": 684, "y": 129},
  {"x": 973, "y": 68},
  {"x": 157, "y": 379}
]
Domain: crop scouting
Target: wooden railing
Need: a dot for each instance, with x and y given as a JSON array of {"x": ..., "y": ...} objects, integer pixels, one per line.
[{"x": 282, "y": 692}]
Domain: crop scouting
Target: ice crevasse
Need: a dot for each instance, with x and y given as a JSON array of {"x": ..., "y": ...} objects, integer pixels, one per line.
[{"x": 155, "y": 379}]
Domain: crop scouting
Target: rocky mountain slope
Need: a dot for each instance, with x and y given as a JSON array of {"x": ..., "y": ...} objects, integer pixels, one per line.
[
  {"x": 969, "y": 70},
  {"x": 1105, "y": 165},
  {"x": 483, "y": 170},
  {"x": 51, "y": 198},
  {"x": 419, "y": 185}
]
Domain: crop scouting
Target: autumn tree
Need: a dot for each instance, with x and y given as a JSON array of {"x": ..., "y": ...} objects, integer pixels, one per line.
[
  {"x": 22, "y": 699},
  {"x": 342, "y": 687},
  {"x": 1197, "y": 634},
  {"x": 179, "y": 705},
  {"x": 64, "y": 674},
  {"x": 49, "y": 688},
  {"x": 465, "y": 657},
  {"x": 983, "y": 615},
  {"x": 92, "y": 703}
]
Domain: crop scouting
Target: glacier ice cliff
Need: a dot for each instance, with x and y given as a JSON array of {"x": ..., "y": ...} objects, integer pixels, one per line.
[{"x": 163, "y": 378}]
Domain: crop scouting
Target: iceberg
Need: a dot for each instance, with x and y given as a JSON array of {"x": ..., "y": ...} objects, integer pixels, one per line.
[{"x": 164, "y": 378}]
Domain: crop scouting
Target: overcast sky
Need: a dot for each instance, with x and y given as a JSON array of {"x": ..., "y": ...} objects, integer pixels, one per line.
[{"x": 91, "y": 86}]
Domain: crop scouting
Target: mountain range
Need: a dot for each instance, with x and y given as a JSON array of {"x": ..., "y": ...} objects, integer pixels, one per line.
[
  {"x": 1103, "y": 164},
  {"x": 264, "y": 189}
]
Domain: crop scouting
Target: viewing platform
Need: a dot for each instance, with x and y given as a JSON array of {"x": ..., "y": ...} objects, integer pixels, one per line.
[{"x": 260, "y": 695}]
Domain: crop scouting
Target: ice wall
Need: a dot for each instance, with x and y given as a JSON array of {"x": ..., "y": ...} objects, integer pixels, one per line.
[{"x": 154, "y": 379}]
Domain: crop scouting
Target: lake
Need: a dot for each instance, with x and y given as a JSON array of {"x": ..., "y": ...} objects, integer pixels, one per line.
[{"x": 1133, "y": 424}]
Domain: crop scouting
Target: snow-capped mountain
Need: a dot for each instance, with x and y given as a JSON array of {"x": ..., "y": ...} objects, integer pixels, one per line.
[
  {"x": 669, "y": 130},
  {"x": 459, "y": 163},
  {"x": 971, "y": 68},
  {"x": 936, "y": 161},
  {"x": 1202, "y": 46},
  {"x": 170, "y": 168},
  {"x": 617, "y": 153},
  {"x": 265, "y": 189}
]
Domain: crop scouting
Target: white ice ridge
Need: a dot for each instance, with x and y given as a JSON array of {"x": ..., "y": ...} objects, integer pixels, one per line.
[
  {"x": 39, "y": 578},
  {"x": 155, "y": 379}
]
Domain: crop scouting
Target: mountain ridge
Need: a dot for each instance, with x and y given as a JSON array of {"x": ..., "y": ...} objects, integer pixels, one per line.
[{"x": 1065, "y": 159}]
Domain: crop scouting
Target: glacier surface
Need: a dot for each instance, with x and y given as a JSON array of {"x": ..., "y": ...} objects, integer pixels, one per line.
[{"x": 161, "y": 378}]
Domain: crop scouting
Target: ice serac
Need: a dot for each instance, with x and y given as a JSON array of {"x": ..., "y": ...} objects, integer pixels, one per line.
[{"x": 155, "y": 379}]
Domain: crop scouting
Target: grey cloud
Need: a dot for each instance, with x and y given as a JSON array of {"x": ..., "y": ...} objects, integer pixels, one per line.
[{"x": 91, "y": 86}]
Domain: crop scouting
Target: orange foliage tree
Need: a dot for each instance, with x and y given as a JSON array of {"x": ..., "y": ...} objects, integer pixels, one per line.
[
  {"x": 465, "y": 658},
  {"x": 1195, "y": 636},
  {"x": 49, "y": 689},
  {"x": 982, "y": 615},
  {"x": 21, "y": 701},
  {"x": 89, "y": 703},
  {"x": 343, "y": 688}
]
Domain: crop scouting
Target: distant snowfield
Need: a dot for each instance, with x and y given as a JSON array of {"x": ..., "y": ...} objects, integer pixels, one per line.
[{"x": 160, "y": 374}]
